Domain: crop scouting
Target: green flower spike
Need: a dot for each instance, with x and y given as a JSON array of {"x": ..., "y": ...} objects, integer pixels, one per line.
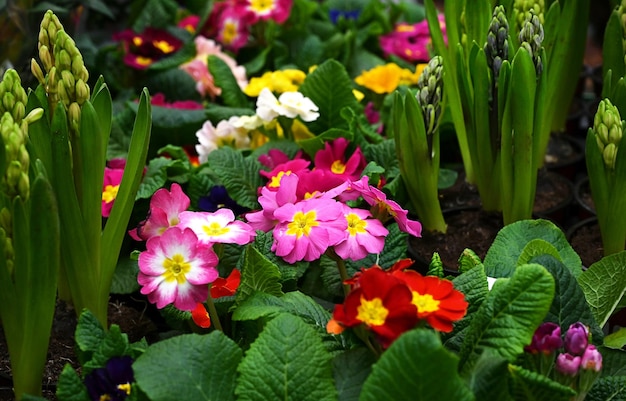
[
  {"x": 430, "y": 90},
  {"x": 523, "y": 9},
  {"x": 497, "y": 46},
  {"x": 608, "y": 128},
  {"x": 13, "y": 97},
  {"x": 531, "y": 38}
]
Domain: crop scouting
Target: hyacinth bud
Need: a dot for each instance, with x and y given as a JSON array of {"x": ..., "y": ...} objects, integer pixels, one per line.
[
  {"x": 497, "y": 46},
  {"x": 34, "y": 115},
  {"x": 73, "y": 116},
  {"x": 576, "y": 339},
  {"x": 525, "y": 7},
  {"x": 607, "y": 126},
  {"x": 15, "y": 180},
  {"x": 49, "y": 28},
  {"x": 45, "y": 55},
  {"x": 547, "y": 339},
  {"x": 531, "y": 37},
  {"x": 13, "y": 97},
  {"x": 567, "y": 364},
  {"x": 9, "y": 253},
  {"x": 37, "y": 72},
  {"x": 430, "y": 90},
  {"x": 82, "y": 92}
]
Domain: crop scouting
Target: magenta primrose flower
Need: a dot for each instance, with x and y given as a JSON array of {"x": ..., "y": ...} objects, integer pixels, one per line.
[
  {"x": 576, "y": 338},
  {"x": 165, "y": 206},
  {"x": 220, "y": 226},
  {"x": 264, "y": 219},
  {"x": 591, "y": 359},
  {"x": 567, "y": 364},
  {"x": 277, "y": 10},
  {"x": 306, "y": 229},
  {"x": 410, "y": 41},
  {"x": 289, "y": 167},
  {"x": 176, "y": 269},
  {"x": 364, "y": 235},
  {"x": 547, "y": 339},
  {"x": 333, "y": 158},
  {"x": 110, "y": 187}
]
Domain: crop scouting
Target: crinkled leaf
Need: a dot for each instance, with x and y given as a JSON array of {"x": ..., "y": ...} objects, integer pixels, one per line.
[
  {"x": 288, "y": 147},
  {"x": 287, "y": 361},
  {"x": 258, "y": 275},
  {"x": 511, "y": 241},
  {"x": 239, "y": 175},
  {"x": 613, "y": 361},
  {"x": 155, "y": 177},
  {"x": 312, "y": 145},
  {"x": 406, "y": 371},
  {"x": 604, "y": 285},
  {"x": 216, "y": 112},
  {"x": 125, "y": 277},
  {"x": 231, "y": 94},
  {"x": 527, "y": 385},
  {"x": 70, "y": 386},
  {"x": 263, "y": 243},
  {"x": 488, "y": 379},
  {"x": 569, "y": 305},
  {"x": 616, "y": 340},
  {"x": 114, "y": 343},
  {"x": 199, "y": 185},
  {"x": 195, "y": 367},
  {"x": 468, "y": 260},
  {"x": 89, "y": 334},
  {"x": 350, "y": 370},
  {"x": 156, "y": 13},
  {"x": 330, "y": 88},
  {"x": 507, "y": 318},
  {"x": 537, "y": 247},
  {"x": 608, "y": 389},
  {"x": 384, "y": 154}
]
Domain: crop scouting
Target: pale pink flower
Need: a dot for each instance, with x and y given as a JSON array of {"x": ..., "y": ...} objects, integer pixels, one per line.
[
  {"x": 306, "y": 229},
  {"x": 176, "y": 269},
  {"x": 217, "y": 227},
  {"x": 225, "y": 134},
  {"x": 378, "y": 200},
  {"x": 364, "y": 235},
  {"x": 165, "y": 206}
]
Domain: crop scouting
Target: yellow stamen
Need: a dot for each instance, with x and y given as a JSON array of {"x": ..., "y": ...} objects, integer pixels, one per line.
[
  {"x": 175, "y": 268},
  {"x": 356, "y": 225},
  {"x": 262, "y": 6},
  {"x": 110, "y": 193},
  {"x": 425, "y": 303},
  {"x": 143, "y": 60},
  {"x": 275, "y": 182},
  {"x": 137, "y": 41},
  {"x": 164, "y": 46},
  {"x": 372, "y": 313},
  {"x": 215, "y": 229},
  {"x": 302, "y": 224},
  {"x": 338, "y": 167},
  {"x": 229, "y": 33},
  {"x": 125, "y": 388}
]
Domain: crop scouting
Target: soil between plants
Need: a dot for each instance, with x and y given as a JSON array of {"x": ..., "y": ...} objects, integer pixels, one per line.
[{"x": 125, "y": 311}]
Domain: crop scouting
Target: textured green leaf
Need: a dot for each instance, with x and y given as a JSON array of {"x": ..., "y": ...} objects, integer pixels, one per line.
[
  {"x": 406, "y": 371},
  {"x": 507, "y": 319},
  {"x": 608, "y": 389},
  {"x": 488, "y": 379},
  {"x": 569, "y": 305},
  {"x": 330, "y": 88},
  {"x": 350, "y": 370},
  {"x": 70, "y": 386},
  {"x": 537, "y": 247},
  {"x": 531, "y": 386},
  {"x": 89, "y": 334},
  {"x": 613, "y": 361},
  {"x": 114, "y": 343},
  {"x": 195, "y": 367},
  {"x": 312, "y": 145},
  {"x": 394, "y": 249},
  {"x": 258, "y": 275},
  {"x": 604, "y": 285},
  {"x": 263, "y": 243},
  {"x": 125, "y": 277},
  {"x": 384, "y": 154},
  {"x": 287, "y": 362},
  {"x": 156, "y": 13},
  {"x": 216, "y": 112},
  {"x": 155, "y": 177},
  {"x": 509, "y": 244},
  {"x": 224, "y": 79},
  {"x": 239, "y": 175},
  {"x": 616, "y": 340}
]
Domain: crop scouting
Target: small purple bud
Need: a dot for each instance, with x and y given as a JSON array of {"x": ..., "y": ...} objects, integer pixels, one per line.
[
  {"x": 567, "y": 364},
  {"x": 591, "y": 359},
  {"x": 576, "y": 339},
  {"x": 547, "y": 339}
]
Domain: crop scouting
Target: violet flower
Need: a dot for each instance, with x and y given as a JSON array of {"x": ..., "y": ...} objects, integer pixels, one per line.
[
  {"x": 576, "y": 339},
  {"x": 547, "y": 339},
  {"x": 113, "y": 382}
]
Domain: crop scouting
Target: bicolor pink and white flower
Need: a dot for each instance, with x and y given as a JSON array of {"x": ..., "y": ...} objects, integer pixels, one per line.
[
  {"x": 364, "y": 235},
  {"x": 165, "y": 207},
  {"x": 176, "y": 269},
  {"x": 220, "y": 226},
  {"x": 277, "y": 10},
  {"x": 306, "y": 229}
]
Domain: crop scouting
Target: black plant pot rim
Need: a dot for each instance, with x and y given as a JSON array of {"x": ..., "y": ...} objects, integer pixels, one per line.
[{"x": 578, "y": 195}]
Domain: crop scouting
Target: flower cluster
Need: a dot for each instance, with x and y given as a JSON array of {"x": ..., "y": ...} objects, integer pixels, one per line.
[
  {"x": 390, "y": 302},
  {"x": 180, "y": 261},
  {"x": 577, "y": 362},
  {"x": 143, "y": 49},
  {"x": 410, "y": 42}
]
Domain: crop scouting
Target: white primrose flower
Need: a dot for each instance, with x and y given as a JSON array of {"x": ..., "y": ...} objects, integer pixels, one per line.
[
  {"x": 248, "y": 123},
  {"x": 296, "y": 104},
  {"x": 267, "y": 106},
  {"x": 224, "y": 134}
]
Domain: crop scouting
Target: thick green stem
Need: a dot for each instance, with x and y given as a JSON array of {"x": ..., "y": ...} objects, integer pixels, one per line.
[{"x": 215, "y": 318}]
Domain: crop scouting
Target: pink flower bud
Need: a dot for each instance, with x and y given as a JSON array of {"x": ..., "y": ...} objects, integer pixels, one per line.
[
  {"x": 567, "y": 364},
  {"x": 547, "y": 339},
  {"x": 591, "y": 359},
  {"x": 576, "y": 338}
]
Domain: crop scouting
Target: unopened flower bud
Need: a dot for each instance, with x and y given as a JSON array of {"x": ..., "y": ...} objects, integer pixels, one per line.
[
  {"x": 607, "y": 126},
  {"x": 46, "y": 57},
  {"x": 82, "y": 92},
  {"x": 35, "y": 68},
  {"x": 73, "y": 115},
  {"x": 13, "y": 173},
  {"x": 497, "y": 46},
  {"x": 63, "y": 94},
  {"x": 567, "y": 364},
  {"x": 430, "y": 88},
  {"x": 23, "y": 186},
  {"x": 547, "y": 339},
  {"x": 576, "y": 338},
  {"x": 609, "y": 154},
  {"x": 591, "y": 359},
  {"x": 531, "y": 38},
  {"x": 6, "y": 221},
  {"x": 62, "y": 59},
  {"x": 34, "y": 115}
]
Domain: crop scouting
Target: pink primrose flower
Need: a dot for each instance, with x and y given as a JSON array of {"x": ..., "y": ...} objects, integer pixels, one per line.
[
  {"x": 383, "y": 206},
  {"x": 176, "y": 269},
  {"x": 271, "y": 200},
  {"x": 410, "y": 41},
  {"x": 277, "y": 10},
  {"x": 165, "y": 208},
  {"x": 189, "y": 23},
  {"x": 291, "y": 167},
  {"x": 364, "y": 235},
  {"x": 333, "y": 158},
  {"x": 158, "y": 99},
  {"x": 233, "y": 29},
  {"x": 110, "y": 187},
  {"x": 219, "y": 226},
  {"x": 141, "y": 50},
  {"x": 319, "y": 182},
  {"x": 306, "y": 229}
]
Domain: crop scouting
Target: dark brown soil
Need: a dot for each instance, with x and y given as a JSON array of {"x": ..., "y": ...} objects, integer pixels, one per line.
[
  {"x": 131, "y": 319},
  {"x": 586, "y": 240}
]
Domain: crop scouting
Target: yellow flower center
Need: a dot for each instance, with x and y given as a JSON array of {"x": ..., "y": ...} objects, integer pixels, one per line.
[
  {"x": 229, "y": 33},
  {"x": 302, "y": 223},
  {"x": 425, "y": 303},
  {"x": 262, "y": 6},
  {"x": 109, "y": 193},
  {"x": 338, "y": 167},
  {"x": 175, "y": 268},
  {"x": 163, "y": 45},
  {"x": 356, "y": 225},
  {"x": 137, "y": 41},
  {"x": 215, "y": 229},
  {"x": 143, "y": 60},
  {"x": 372, "y": 313},
  {"x": 405, "y": 28},
  {"x": 125, "y": 388},
  {"x": 275, "y": 181},
  {"x": 105, "y": 397}
]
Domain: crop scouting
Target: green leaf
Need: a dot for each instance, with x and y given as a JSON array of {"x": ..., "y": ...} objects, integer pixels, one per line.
[
  {"x": 537, "y": 247},
  {"x": 394, "y": 249},
  {"x": 616, "y": 340},
  {"x": 288, "y": 362},
  {"x": 232, "y": 94},
  {"x": 70, "y": 387},
  {"x": 489, "y": 378},
  {"x": 239, "y": 175},
  {"x": 155, "y": 177},
  {"x": 447, "y": 178},
  {"x": 195, "y": 367},
  {"x": 258, "y": 274},
  {"x": 608, "y": 389},
  {"x": 155, "y": 13},
  {"x": 384, "y": 154},
  {"x": 125, "y": 277},
  {"x": 604, "y": 285},
  {"x": 507, "y": 319},
  {"x": 263, "y": 243},
  {"x": 114, "y": 343},
  {"x": 312, "y": 145},
  {"x": 89, "y": 334},
  {"x": 350, "y": 370},
  {"x": 613, "y": 361},
  {"x": 511, "y": 241},
  {"x": 532, "y": 386},
  {"x": 406, "y": 371},
  {"x": 330, "y": 88}
]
